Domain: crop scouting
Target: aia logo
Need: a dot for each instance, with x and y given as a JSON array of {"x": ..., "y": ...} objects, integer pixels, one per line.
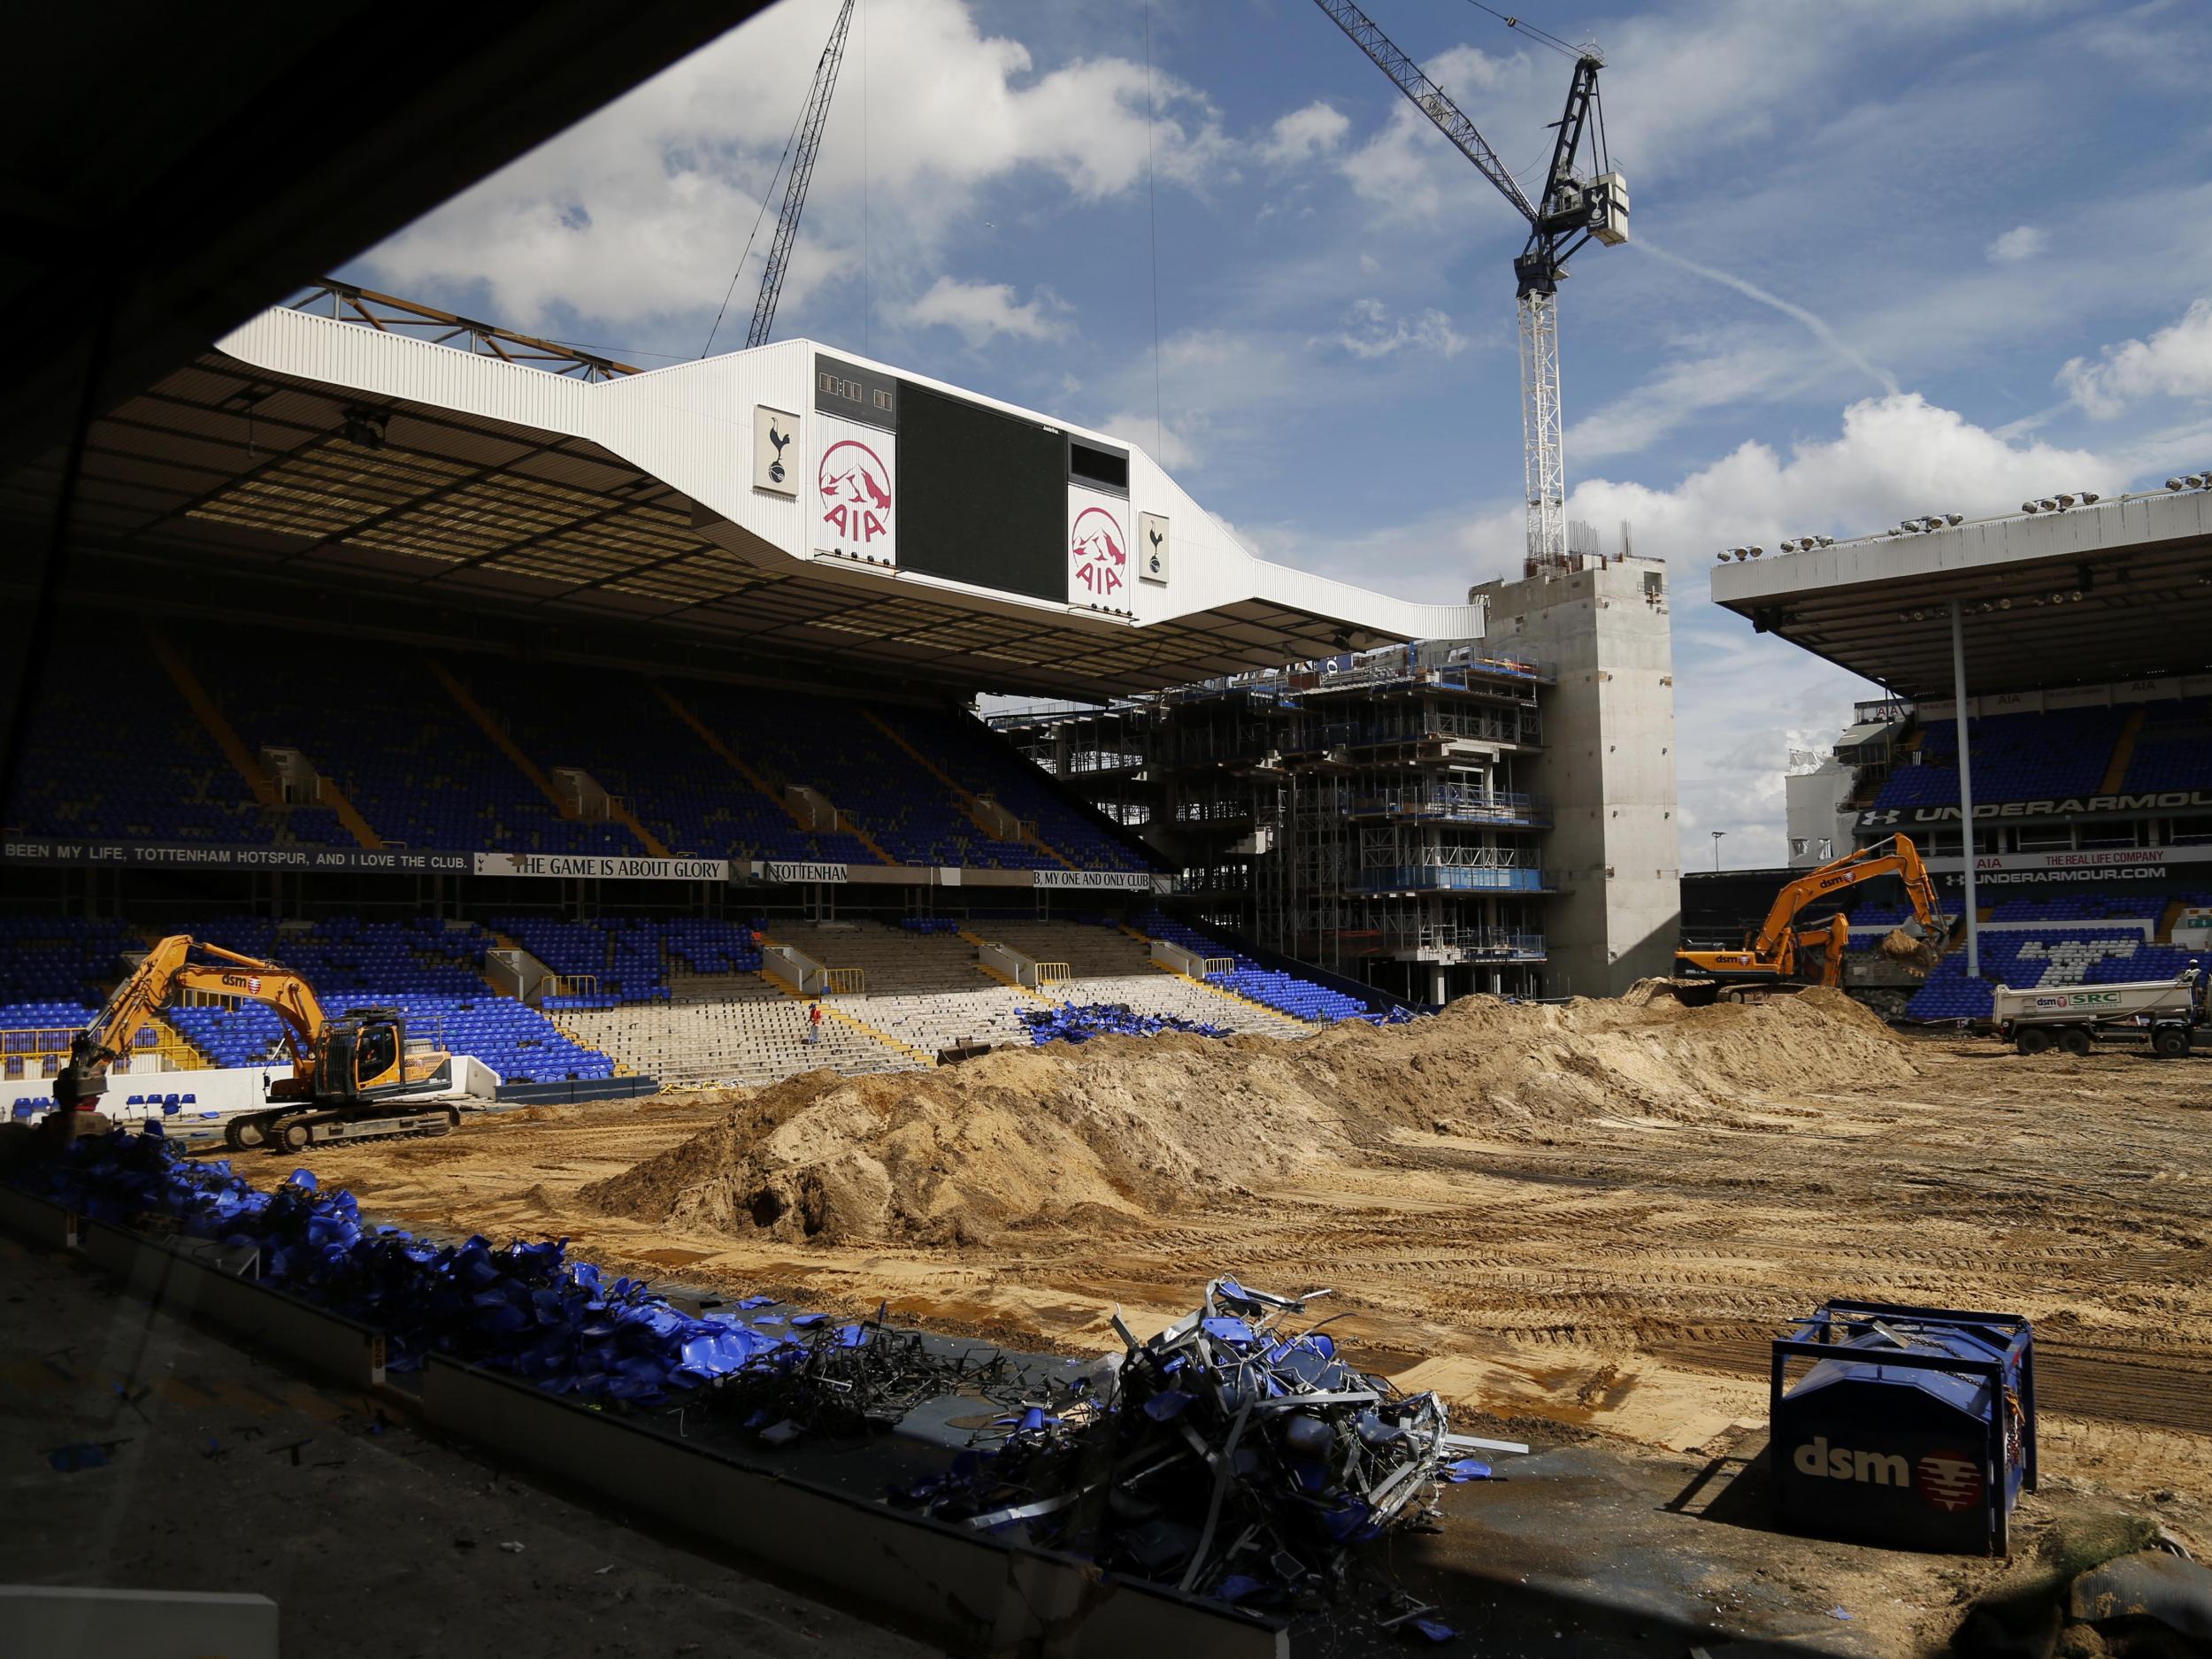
[
  {"x": 1950, "y": 1480},
  {"x": 855, "y": 489},
  {"x": 1102, "y": 558}
]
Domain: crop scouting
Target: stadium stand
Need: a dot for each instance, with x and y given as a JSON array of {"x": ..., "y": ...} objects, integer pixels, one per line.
[
  {"x": 2173, "y": 748},
  {"x": 467, "y": 756},
  {"x": 73, "y": 959},
  {"x": 982, "y": 763},
  {"x": 2029, "y": 959},
  {"x": 418, "y": 769},
  {"x": 2052, "y": 755},
  {"x": 118, "y": 754},
  {"x": 1301, "y": 999},
  {"x": 682, "y": 999}
]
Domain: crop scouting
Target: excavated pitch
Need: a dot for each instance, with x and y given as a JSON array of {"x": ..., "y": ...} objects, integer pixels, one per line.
[{"x": 1592, "y": 1215}]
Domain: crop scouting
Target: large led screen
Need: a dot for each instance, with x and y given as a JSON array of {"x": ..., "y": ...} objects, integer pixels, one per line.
[{"x": 983, "y": 497}]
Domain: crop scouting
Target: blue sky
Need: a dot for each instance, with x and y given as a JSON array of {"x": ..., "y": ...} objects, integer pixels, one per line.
[{"x": 1885, "y": 259}]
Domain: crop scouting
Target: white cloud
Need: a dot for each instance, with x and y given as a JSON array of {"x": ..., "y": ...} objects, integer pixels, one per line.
[
  {"x": 1371, "y": 332},
  {"x": 1172, "y": 444},
  {"x": 640, "y": 211},
  {"x": 979, "y": 310},
  {"x": 2175, "y": 362},
  {"x": 1742, "y": 701},
  {"x": 2022, "y": 242},
  {"x": 1305, "y": 135}
]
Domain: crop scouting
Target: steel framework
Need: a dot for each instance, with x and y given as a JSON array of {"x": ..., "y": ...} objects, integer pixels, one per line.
[
  {"x": 1573, "y": 210},
  {"x": 390, "y": 315},
  {"x": 809, "y": 145}
]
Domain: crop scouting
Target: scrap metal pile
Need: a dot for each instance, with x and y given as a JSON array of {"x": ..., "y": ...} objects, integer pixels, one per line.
[
  {"x": 1228, "y": 1456},
  {"x": 1079, "y": 1023}
]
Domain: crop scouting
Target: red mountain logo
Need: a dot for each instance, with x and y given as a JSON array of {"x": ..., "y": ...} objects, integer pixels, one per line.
[
  {"x": 855, "y": 489},
  {"x": 1950, "y": 1480},
  {"x": 1101, "y": 555}
]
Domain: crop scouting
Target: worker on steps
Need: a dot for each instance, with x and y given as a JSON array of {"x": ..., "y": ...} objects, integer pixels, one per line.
[{"x": 814, "y": 1023}]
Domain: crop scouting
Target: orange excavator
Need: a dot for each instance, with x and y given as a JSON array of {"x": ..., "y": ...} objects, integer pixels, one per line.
[
  {"x": 1771, "y": 952},
  {"x": 353, "y": 1076}
]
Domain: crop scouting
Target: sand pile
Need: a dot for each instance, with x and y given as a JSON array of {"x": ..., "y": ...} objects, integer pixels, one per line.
[{"x": 1136, "y": 1126}]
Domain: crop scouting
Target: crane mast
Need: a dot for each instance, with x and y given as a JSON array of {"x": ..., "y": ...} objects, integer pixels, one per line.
[
  {"x": 1571, "y": 211},
  {"x": 808, "y": 145}
]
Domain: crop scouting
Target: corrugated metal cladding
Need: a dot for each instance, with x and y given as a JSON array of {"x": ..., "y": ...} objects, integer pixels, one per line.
[{"x": 333, "y": 445}]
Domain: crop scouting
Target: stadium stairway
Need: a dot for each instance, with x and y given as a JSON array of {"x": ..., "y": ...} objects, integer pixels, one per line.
[
  {"x": 732, "y": 1029},
  {"x": 484, "y": 722},
  {"x": 266, "y": 792},
  {"x": 966, "y": 796},
  {"x": 728, "y": 755},
  {"x": 2123, "y": 753}
]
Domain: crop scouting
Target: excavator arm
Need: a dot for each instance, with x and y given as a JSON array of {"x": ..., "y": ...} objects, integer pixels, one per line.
[
  {"x": 1772, "y": 948},
  {"x": 1896, "y": 857},
  {"x": 180, "y": 963}
]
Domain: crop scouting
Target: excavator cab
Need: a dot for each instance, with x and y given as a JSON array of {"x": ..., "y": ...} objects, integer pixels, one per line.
[{"x": 361, "y": 1055}]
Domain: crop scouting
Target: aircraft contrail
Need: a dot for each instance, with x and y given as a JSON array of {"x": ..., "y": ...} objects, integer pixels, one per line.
[{"x": 1751, "y": 290}]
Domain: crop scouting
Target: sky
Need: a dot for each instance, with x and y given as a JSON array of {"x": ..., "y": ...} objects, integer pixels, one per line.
[{"x": 1884, "y": 260}]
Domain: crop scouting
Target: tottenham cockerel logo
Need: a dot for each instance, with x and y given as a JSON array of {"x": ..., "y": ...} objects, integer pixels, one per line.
[
  {"x": 1100, "y": 551},
  {"x": 856, "y": 488}
]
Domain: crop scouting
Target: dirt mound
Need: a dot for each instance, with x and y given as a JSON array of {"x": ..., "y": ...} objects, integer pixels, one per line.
[{"x": 1144, "y": 1126}]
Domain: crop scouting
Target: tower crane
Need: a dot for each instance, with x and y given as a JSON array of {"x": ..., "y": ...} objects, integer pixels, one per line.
[
  {"x": 808, "y": 138},
  {"x": 1574, "y": 208}
]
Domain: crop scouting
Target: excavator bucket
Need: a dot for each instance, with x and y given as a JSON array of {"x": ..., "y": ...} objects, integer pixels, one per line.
[{"x": 1911, "y": 945}]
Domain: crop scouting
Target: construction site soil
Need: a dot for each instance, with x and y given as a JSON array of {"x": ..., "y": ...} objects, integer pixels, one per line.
[{"x": 1587, "y": 1218}]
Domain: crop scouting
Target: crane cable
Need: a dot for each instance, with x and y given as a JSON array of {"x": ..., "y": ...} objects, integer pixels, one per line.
[
  {"x": 765, "y": 197},
  {"x": 1527, "y": 29}
]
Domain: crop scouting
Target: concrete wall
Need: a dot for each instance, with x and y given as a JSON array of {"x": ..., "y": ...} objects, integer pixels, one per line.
[
  {"x": 1608, "y": 765},
  {"x": 1813, "y": 804}
]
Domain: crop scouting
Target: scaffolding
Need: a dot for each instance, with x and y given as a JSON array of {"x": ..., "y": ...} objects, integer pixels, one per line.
[{"x": 1372, "y": 814}]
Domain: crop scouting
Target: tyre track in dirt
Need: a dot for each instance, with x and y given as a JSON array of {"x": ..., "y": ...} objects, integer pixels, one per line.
[{"x": 1616, "y": 1273}]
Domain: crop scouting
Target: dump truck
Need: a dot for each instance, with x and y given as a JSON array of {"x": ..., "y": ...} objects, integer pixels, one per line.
[{"x": 2073, "y": 1017}]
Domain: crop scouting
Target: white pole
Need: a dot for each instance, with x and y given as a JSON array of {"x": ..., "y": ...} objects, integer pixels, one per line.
[{"x": 1966, "y": 788}]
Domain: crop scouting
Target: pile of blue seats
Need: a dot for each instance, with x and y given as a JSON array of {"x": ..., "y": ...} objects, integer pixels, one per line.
[
  {"x": 1286, "y": 993},
  {"x": 1074, "y": 1022},
  {"x": 930, "y": 925},
  {"x": 525, "y": 1309}
]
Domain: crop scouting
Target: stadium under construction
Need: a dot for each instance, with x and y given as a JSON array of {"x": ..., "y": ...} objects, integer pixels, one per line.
[{"x": 776, "y": 1004}]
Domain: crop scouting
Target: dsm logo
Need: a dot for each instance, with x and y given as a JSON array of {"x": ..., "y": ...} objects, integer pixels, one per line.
[{"x": 1949, "y": 1480}]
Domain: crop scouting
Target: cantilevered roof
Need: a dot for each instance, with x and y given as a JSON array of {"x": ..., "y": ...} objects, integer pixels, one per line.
[
  {"x": 479, "y": 469},
  {"x": 2116, "y": 591}
]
